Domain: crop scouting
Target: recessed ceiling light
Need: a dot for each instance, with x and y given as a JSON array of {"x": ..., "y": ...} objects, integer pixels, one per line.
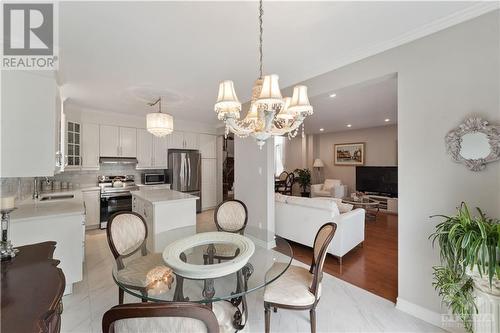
[
  {"x": 321, "y": 129},
  {"x": 333, "y": 95},
  {"x": 387, "y": 120},
  {"x": 349, "y": 125}
]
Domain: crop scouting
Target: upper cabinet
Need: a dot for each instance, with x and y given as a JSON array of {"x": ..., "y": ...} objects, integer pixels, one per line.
[
  {"x": 73, "y": 139},
  {"x": 90, "y": 147},
  {"x": 28, "y": 125},
  {"x": 184, "y": 140},
  {"x": 144, "y": 149},
  {"x": 208, "y": 146},
  {"x": 160, "y": 147},
  {"x": 117, "y": 141}
]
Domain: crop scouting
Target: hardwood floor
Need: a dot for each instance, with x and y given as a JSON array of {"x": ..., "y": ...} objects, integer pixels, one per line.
[{"x": 372, "y": 266}]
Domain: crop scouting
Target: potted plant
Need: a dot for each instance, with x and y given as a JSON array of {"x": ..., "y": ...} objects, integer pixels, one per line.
[
  {"x": 470, "y": 266},
  {"x": 304, "y": 180}
]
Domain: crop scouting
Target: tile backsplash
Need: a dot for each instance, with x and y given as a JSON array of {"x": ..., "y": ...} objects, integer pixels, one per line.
[{"x": 23, "y": 187}]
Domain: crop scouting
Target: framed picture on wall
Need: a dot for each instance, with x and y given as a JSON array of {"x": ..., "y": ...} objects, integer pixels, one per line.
[{"x": 349, "y": 153}]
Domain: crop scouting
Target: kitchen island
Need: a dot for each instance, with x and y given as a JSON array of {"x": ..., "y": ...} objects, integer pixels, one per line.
[{"x": 163, "y": 210}]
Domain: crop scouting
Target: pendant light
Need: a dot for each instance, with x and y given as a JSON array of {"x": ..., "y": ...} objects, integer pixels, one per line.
[{"x": 159, "y": 124}]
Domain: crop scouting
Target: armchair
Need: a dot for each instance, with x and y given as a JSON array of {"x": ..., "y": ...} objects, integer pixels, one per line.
[{"x": 332, "y": 188}]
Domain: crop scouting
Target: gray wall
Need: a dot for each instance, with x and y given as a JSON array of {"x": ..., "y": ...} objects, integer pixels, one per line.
[{"x": 380, "y": 150}]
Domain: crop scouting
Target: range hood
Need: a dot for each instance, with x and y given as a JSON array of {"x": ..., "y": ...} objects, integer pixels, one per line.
[{"x": 118, "y": 160}]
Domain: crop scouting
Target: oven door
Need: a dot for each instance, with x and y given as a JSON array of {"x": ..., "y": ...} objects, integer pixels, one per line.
[{"x": 112, "y": 203}]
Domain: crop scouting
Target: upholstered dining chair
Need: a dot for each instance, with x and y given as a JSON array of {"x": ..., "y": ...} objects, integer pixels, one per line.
[
  {"x": 229, "y": 216},
  {"x": 299, "y": 288},
  {"x": 170, "y": 317},
  {"x": 287, "y": 187},
  {"x": 127, "y": 233},
  {"x": 280, "y": 180}
]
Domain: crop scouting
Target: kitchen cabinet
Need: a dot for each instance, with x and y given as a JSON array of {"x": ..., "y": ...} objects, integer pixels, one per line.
[
  {"x": 208, "y": 146},
  {"x": 117, "y": 141},
  {"x": 144, "y": 149},
  {"x": 92, "y": 202},
  {"x": 28, "y": 125},
  {"x": 184, "y": 140},
  {"x": 160, "y": 147},
  {"x": 208, "y": 183},
  {"x": 90, "y": 146}
]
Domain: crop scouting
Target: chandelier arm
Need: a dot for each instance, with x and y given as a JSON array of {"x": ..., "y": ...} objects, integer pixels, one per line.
[
  {"x": 237, "y": 127},
  {"x": 288, "y": 128}
]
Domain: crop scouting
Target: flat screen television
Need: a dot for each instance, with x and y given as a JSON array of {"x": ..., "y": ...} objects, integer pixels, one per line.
[{"x": 378, "y": 180}]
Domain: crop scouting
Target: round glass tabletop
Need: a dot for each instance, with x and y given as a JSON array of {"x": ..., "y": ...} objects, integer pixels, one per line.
[{"x": 150, "y": 278}]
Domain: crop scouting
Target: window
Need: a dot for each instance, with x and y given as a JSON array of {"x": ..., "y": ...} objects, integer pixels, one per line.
[
  {"x": 279, "y": 155},
  {"x": 73, "y": 144}
]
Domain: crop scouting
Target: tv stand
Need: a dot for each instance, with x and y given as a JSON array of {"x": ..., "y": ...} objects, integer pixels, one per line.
[{"x": 387, "y": 204}]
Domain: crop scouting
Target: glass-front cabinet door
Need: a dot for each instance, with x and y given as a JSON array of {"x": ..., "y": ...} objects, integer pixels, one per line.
[{"x": 73, "y": 144}]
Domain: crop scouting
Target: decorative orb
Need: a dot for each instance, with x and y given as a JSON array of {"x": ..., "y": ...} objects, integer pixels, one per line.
[{"x": 159, "y": 280}]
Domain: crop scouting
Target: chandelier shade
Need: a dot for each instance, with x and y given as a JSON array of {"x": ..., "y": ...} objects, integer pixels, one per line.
[
  {"x": 227, "y": 102},
  {"x": 285, "y": 112},
  {"x": 270, "y": 95},
  {"x": 300, "y": 101},
  {"x": 159, "y": 124}
]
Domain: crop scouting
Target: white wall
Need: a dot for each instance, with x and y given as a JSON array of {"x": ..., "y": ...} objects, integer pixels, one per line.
[
  {"x": 380, "y": 150},
  {"x": 442, "y": 79}
]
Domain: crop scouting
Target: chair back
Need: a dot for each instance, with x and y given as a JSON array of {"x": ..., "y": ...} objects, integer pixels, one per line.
[
  {"x": 283, "y": 175},
  {"x": 170, "y": 317},
  {"x": 322, "y": 241},
  {"x": 126, "y": 233},
  {"x": 289, "y": 181},
  {"x": 231, "y": 216}
]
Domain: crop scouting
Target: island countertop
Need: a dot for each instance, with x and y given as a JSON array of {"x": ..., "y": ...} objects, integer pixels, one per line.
[{"x": 156, "y": 196}]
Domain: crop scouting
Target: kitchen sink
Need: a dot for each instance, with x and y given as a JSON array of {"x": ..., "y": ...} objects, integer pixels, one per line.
[{"x": 57, "y": 197}]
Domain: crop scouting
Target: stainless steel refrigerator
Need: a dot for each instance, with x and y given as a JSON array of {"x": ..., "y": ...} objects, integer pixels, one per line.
[{"x": 184, "y": 168}]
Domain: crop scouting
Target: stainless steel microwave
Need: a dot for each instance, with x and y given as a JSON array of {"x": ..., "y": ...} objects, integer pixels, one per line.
[{"x": 153, "y": 178}]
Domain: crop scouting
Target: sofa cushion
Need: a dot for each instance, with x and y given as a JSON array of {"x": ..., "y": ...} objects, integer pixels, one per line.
[
  {"x": 319, "y": 203},
  {"x": 330, "y": 183}
]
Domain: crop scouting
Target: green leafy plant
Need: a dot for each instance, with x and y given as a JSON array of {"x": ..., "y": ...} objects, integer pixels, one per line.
[
  {"x": 466, "y": 243},
  {"x": 304, "y": 178}
]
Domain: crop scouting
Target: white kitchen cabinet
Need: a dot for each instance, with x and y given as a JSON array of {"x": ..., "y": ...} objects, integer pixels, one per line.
[
  {"x": 144, "y": 149},
  {"x": 208, "y": 146},
  {"x": 90, "y": 147},
  {"x": 191, "y": 140},
  {"x": 208, "y": 183},
  {"x": 27, "y": 128},
  {"x": 128, "y": 142},
  {"x": 109, "y": 142},
  {"x": 117, "y": 141},
  {"x": 92, "y": 202},
  {"x": 176, "y": 140},
  {"x": 160, "y": 147}
]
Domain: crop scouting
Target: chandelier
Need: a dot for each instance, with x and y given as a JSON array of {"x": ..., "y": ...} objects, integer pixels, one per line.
[
  {"x": 269, "y": 113},
  {"x": 157, "y": 123}
]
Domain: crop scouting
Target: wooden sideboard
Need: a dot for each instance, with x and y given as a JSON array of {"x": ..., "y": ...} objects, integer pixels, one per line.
[{"x": 32, "y": 289}]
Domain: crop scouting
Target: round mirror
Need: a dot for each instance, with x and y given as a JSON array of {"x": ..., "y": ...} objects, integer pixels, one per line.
[{"x": 474, "y": 146}]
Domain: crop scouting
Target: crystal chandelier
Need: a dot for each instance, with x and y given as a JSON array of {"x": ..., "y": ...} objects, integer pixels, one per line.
[
  {"x": 157, "y": 123},
  {"x": 269, "y": 113}
]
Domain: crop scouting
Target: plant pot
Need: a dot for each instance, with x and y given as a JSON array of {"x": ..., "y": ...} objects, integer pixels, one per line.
[
  {"x": 305, "y": 194},
  {"x": 487, "y": 319}
]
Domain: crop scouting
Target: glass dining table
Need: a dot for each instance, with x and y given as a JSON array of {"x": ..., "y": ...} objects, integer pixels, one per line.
[{"x": 270, "y": 259}]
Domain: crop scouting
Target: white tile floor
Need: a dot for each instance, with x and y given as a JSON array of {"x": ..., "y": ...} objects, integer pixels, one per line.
[{"x": 342, "y": 308}]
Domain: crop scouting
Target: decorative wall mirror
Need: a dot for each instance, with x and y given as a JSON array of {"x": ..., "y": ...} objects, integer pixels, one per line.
[{"x": 474, "y": 143}]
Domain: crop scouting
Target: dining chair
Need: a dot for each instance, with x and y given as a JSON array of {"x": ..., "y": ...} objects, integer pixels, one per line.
[
  {"x": 280, "y": 180},
  {"x": 170, "y": 317},
  {"x": 127, "y": 233},
  {"x": 287, "y": 186},
  {"x": 229, "y": 216},
  {"x": 299, "y": 288}
]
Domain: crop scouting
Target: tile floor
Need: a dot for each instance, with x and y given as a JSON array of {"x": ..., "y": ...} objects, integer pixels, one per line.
[{"x": 343, "y": 307}]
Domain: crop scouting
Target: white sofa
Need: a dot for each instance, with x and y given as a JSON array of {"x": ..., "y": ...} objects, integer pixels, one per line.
[
  {"x": 332, "y": 188},
  {"x": 298, "y": 219}
]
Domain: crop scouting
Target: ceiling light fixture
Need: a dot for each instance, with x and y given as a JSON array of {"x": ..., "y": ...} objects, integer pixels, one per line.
[
  {"x": 387, "y": 120},
  {"x": 333, "y": 95},
  {"x": 269, "y": 113},
  {"x": 157, "y": 123},
  {"x": 321, "y": 129},
  {"x": 349, "y": 125}
]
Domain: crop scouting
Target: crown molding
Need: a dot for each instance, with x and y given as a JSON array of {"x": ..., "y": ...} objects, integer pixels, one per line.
[{"x": 466, "y": 14}]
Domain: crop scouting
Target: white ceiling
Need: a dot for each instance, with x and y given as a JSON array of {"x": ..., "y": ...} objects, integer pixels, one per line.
[
  {"x": 363, "y": 105},
  {"x": 116, "y": 55}
]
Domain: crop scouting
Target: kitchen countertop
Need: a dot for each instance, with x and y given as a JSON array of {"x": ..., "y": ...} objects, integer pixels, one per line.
[{"x": 161, "y": 196}]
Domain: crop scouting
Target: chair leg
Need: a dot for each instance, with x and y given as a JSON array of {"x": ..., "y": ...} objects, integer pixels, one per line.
[
  {"x": 312, "y": 315},
  {"x": 267, "y": 312},
  {"x": 120, "y": 295}
]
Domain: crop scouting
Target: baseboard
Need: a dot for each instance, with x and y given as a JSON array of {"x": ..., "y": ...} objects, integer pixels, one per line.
[{"x": 420, "y": 312}]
